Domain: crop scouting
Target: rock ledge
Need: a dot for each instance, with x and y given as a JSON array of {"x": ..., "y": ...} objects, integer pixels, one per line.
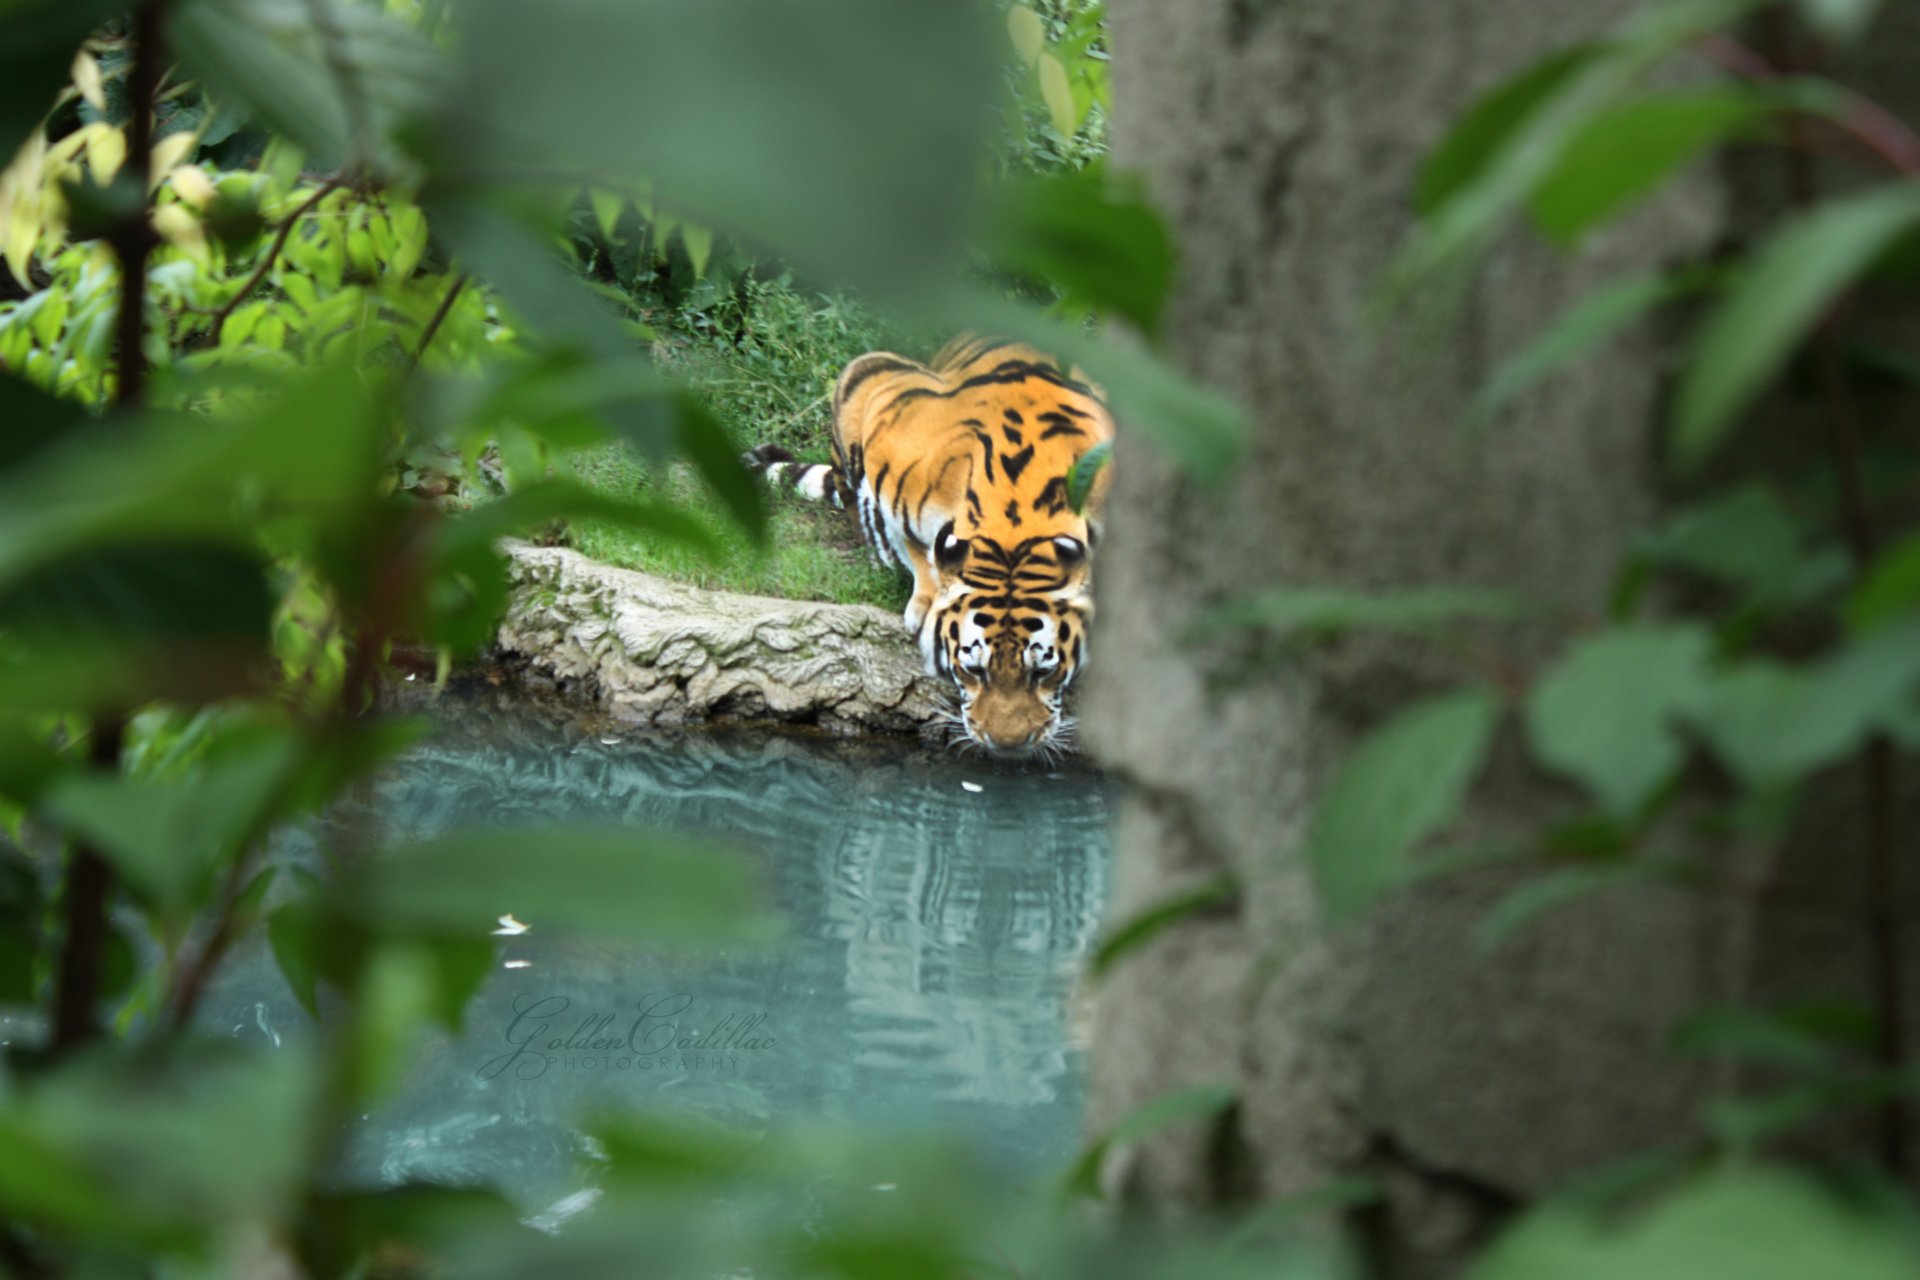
[{"x": 649, "y": 650}]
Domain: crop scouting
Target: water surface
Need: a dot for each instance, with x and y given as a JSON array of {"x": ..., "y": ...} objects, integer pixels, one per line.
[{"x": 935, "y": 911}]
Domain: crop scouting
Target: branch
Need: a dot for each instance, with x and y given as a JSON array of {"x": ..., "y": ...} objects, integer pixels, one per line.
[
  {"x": 327, "y": 188},
  {"x": 1860, "y": 118},
  {"x": 84, "y": 918},
  {"x": 438, "y": 318}
]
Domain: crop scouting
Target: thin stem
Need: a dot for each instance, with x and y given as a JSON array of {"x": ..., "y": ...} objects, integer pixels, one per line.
[
  {"x": 1860, "y": 118},
  {"x": 272, "y": 255},
  {"x": 438, "y": 318},
  {"x": 191, "y": 981},
  {"x": 84, "y": 918}
]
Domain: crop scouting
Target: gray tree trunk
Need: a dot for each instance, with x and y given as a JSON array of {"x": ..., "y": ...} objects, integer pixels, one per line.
[{"x": 1282, "y": 141}]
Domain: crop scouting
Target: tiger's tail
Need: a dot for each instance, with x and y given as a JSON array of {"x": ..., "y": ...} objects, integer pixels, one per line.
[{"x": 819, "y": 481}]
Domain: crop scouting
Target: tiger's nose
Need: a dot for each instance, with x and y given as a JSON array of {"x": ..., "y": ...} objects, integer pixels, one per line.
[{"x": 1015, "y": 748}]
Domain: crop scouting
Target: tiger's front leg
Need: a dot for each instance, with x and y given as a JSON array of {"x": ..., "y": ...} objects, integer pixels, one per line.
[{"x": 925, "y": 587}]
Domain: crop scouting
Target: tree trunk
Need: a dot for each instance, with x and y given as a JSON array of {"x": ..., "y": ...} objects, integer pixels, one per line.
[{"x": 1282, "y": 141}]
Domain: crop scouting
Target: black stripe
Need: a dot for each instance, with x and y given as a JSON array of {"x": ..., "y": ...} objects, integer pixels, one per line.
[
  {"x": 1015, "y": 463},
  {"x": 986, "y": 451},
  {"x": 905, "y": 397},
  {"x": 900, "y": 486},
  {"x": 895, "y": 365}
]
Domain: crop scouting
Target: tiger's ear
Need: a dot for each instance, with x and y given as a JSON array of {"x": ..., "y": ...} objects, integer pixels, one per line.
[{"x": 948, "y": 551}]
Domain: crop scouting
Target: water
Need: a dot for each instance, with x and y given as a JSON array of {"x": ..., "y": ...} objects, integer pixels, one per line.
[{"x": 935, "y": 910}]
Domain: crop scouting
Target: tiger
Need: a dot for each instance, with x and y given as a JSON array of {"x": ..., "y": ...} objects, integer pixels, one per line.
[{"x": 957, "y": 472}]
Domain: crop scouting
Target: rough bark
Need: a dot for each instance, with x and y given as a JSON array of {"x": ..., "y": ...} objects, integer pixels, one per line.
[
  {"x": 1282, "y": 142},
  {"x": 652, "y": 651}
]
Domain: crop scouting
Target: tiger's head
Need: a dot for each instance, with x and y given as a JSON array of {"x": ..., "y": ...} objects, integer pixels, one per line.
[{"x": 1009, "y": 629}]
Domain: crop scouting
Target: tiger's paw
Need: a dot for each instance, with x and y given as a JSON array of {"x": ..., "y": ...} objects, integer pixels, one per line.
[{"x": 916, "y": 613}]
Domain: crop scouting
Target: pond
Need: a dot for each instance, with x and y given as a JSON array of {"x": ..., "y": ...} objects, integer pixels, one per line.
[{"x": 935, "y": 909}]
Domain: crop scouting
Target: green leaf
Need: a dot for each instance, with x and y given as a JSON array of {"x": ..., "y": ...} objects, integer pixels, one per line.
[
  {"x": 1757, "y": 324},
  {"x": 1139, "y": 929},
  {"x": 335, "y": 91},
  {"x": 1104, "y": 248},
  {"x": 607, "y": 207},
  {"x": 1326, "y": 612},
  {"x": 1554, "y": 889},
  {"x": 609, "y": 881},
  {"x": 159, "y": 589},
  {"x": 292, "y": 933},
  {"x": 1747, "y": 1222},
  {"x": 28, "y": 761},
  {"x": 742, "y": 114},
  {"x": 1522, "y": 148},
  {"x": 1605, "y": 715},
  {"x": 1479, "y": 133},
  {"x": 1752, "y": 1036},
  {"x": 197, "y": 1138},
  {"x": 1085, "y": 469},
  {"x": 1743, "y": 1123},
  {"x": 340, "y": 1230},
  {"x": 705, "y": 441},
  {"x": 1404, "y": 782},
  {"x": 550, "y": 500},
  {"x": 113, "y": 626},
  {"x": 33, "y": 419},
  {"x": 1890, "y": 588},
  {"x": 1176, "y": 1106},
  {"x": 42, "y": 1182},
  {"x": 1747, "y": 538},
  {"x": 460, "y": 966},
  {"x": 1772, "y": 723},
  {"x": 698, "y": 240},
  {"x": 167, "y": 836},
  {"x": 1583, "y": 328},
  {"x": 1026, "y": 32},
  {"x": 1057, "y": 93},
  {"x": 1622, "y": 154},
  {"x": 293, "y": 457}
]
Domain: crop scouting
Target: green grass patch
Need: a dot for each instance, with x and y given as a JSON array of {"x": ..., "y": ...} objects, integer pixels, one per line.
[{"x": 813, "y": 551}]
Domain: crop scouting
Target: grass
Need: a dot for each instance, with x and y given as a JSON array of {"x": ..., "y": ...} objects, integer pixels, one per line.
[
  {"x": 764, "y": 358},
  {"x": 813, "y": 551}
]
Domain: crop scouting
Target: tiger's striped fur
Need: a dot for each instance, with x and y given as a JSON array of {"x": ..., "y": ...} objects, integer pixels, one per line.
[{"x": 957, "y": 473}]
